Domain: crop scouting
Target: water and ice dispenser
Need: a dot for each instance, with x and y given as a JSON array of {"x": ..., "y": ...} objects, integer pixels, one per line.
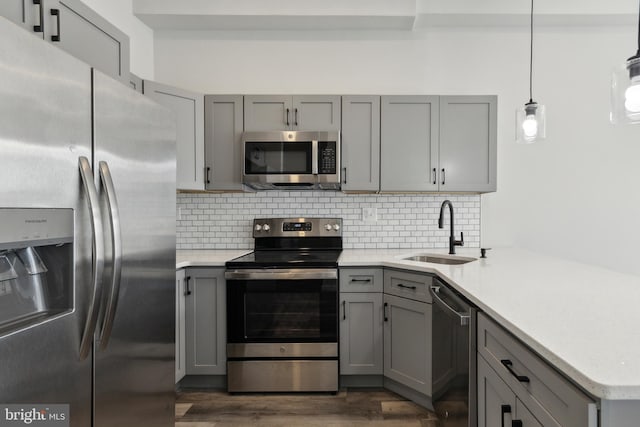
[{"x": 36, "y": 265}]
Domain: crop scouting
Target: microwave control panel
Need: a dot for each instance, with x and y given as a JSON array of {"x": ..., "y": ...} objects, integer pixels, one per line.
[{"x": 327, "y": 157}]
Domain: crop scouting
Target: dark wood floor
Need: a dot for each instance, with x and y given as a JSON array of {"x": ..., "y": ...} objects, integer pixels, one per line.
[{"x": 352, "y": 407}]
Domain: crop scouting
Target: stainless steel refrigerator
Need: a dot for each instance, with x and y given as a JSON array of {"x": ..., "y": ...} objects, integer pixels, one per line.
[{"x": 87, "y": 240}]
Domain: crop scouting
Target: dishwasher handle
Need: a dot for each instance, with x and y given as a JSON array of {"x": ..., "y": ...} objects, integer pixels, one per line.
[{"x": 435, "y": 292}]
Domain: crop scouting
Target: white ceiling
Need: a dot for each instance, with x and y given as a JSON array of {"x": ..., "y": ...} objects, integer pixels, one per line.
[{"x": 375, "y": 14}]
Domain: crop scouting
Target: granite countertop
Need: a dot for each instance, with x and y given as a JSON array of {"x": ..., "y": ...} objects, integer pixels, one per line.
[{"x": 584, "y": 320}]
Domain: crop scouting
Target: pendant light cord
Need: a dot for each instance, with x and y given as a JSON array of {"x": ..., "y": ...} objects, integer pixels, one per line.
[
  {"x": 531, "y": 55},
  {"x": 638, "y": 52}
]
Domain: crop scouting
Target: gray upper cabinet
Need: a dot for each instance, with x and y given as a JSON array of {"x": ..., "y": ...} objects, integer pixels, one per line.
[
  {"x": 409, "y": 143},
  {"x": 286, "y": 112},
  {"x": 24, "y": 13},
  {"x": 76, "y": 28},
  {"x": 223, "y": 125},
  {"x": 468, "y": 142},
  {"x": 189, "y": 111},
  {"x": 438, "y": 143},
  {"x": 205, "y": 290},
  {"x": 135, "y": 82},
  {"x": 361, "y": 143}
]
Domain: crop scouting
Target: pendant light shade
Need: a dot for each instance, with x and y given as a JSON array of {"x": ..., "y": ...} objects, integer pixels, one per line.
[
  {"x": 625, "y": 89},
  {"x": 530, "y": 119}
]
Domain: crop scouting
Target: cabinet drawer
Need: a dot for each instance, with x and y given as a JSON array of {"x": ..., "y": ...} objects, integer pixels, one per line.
[
  {"x": 360, "y": 280},
  {"x": 408, "y": 285},
  {"x": 546, "y": 391}
]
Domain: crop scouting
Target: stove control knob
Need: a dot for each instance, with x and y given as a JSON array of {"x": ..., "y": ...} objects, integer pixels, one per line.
[
  {"x": 258, "y": 227},
  {"x": 266, "y": 227},
  {"x": 336, "y": 227},
  {"x": 327, "y": 227}
]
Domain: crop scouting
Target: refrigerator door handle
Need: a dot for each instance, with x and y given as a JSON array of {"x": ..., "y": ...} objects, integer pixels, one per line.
[
  {"x": 98, "y": 257},
  {"x": 116, "y": 251}
]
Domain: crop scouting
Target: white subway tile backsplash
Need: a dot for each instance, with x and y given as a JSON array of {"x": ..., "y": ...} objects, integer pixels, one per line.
[{"x": 223, "y": 221}]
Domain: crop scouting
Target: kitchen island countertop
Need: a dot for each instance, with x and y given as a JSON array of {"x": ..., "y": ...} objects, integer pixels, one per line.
[{"x": 582, "y": 319}]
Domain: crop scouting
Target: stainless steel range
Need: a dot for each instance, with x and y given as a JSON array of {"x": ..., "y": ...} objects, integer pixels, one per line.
[{"x": 282, "y": 304}]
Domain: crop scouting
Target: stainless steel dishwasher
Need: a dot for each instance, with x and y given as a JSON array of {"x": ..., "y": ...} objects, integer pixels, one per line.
[{"x": 454, "y": 357}]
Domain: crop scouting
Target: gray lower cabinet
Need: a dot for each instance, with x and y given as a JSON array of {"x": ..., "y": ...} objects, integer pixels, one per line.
[
  {"x": 205, "y": 296},
  {"x": 438, "y": 143},
  {"x": 510, "y": 374},
  {"x": 287, "y": 112},
  {"x": 361, "y": 143},
  {"x": 181, "y": 347},
  {"x": 407, "y": 342},
  {"x": 468, "y": 143},
  {"x": 188, "y": 108},
  {"x": 76, "y": 28},
  {"x": 136, "y": 83},
  {"x": 223, "y": 124},
  {"x": 498, "y": 405},
  {"x": 361, "y": 338}
]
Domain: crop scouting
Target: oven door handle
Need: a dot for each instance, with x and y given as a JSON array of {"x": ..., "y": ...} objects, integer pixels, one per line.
[{"x": 282, "y": 274}]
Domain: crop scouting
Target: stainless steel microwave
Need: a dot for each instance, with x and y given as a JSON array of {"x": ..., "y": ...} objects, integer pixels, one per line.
[{"x": 291, "y": 160}]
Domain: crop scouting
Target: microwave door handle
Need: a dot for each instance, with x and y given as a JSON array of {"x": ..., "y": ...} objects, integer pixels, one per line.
[{"x": 314, "y": 157}]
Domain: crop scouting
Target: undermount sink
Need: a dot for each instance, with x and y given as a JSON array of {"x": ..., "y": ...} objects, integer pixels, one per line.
[{"x": 440, "y": 259}]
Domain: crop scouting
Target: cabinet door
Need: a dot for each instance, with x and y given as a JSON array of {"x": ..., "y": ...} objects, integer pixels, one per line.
[
  {"x": 407, "y": 342},
  {"x": 24, "y": 13},
  {"x": 181, "y": 348},
  {"x": 206, "y": 321},
  {"x": 361, "y": 143},
  {"x": 409, "y": 143},
  {"x": 528, "y": 419},
  {"x": 87, "y": 36},
  {"x": 223, "y": 142},
  {"x": 468, "y": 142},
  {"x": 361, "y": 334},
  {"x": 316, "y": 113},
  {"x": 268, "y": 112},
  {"x": 496, "y": 401},
  {"x": 189, "y": 112},
  {"x": 136, "y": 83}
]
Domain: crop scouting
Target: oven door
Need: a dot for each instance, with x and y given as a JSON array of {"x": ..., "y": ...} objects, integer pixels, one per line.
[{"x": 282, "y": 306}]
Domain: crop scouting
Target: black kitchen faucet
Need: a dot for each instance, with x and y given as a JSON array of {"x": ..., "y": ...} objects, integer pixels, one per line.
[{"x": 452, "y": 240}]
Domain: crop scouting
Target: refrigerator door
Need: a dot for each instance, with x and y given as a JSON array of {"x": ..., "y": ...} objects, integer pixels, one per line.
[
  {"x": 135, "y": 151},
  {"x": 45, "y": 126}
]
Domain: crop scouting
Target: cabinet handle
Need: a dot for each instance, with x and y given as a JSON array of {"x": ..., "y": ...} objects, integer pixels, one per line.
[
  {"x": 295, "y": 116},
  {"x": 443, "y": 177},
  {"x": 288, "y": 124},
  {"x": 400, "y": 285},
  {"x": 386, "y": 304},
  {"x": 435, "y": 178},
  {"x": 516, "y": 423},
  {"x": 344, "y": 171},
  {"x": 187, "y": 290},
  {"x": 361, "y": 280},
  {"x": 508, "y": 364},
  {"x": 344, "y": 310},
  {"x": 504, "y": 409},
  {"x": 207, "y": 177},
  {"x": 38, "y": 28},
  {"x": 56, "y": 13}
]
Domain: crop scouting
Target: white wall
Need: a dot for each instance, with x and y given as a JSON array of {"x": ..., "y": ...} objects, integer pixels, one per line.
[
  {"x": 573, "y": 195},
  {"x": 120, "y": 14}
]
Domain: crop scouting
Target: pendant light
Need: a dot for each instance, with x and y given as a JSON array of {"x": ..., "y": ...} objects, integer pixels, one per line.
[
  {"x": 625, "y": 89},
  {"x": 530, "y": 120}
]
